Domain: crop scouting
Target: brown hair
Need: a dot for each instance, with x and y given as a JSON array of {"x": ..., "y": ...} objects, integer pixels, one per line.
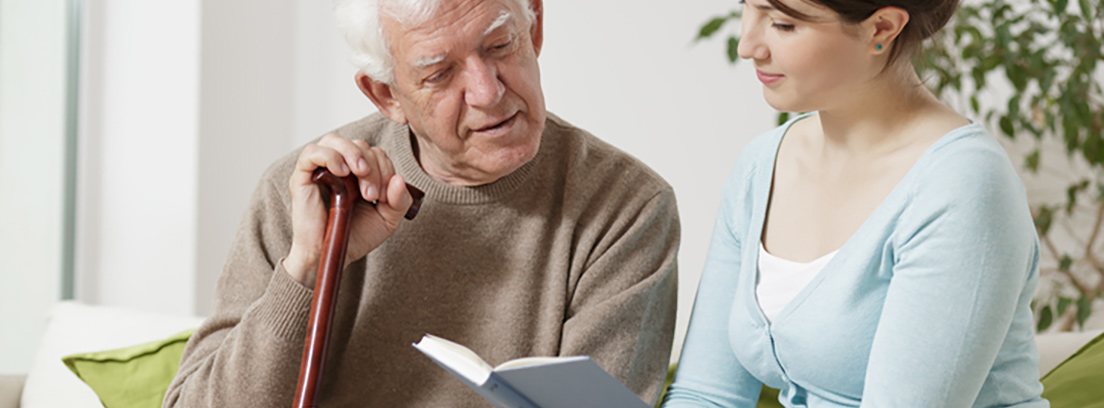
[{"x": 926, "y": 17}]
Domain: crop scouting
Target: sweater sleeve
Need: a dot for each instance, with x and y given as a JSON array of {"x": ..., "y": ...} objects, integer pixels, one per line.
[
  {"x": 622, "y": 311},
  {"x": 247, "y": 353},
  {"x": 709, "y": 374},
  {"x": 965, "y": 264}
]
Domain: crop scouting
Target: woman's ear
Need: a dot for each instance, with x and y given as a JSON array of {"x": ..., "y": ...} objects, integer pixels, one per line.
[
  {"x": 885, "y": 25},
  {"x": 381, "y": 96}
]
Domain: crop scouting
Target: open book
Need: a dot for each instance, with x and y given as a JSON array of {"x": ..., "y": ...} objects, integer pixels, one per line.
[{"x": 532, "y": 382}]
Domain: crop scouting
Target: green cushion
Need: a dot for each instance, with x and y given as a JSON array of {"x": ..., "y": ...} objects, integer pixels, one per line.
[
  {"x": 768, "y": 398},
  {"x": 135, "y": 376},
  {"x": 1078, "y": 381}
]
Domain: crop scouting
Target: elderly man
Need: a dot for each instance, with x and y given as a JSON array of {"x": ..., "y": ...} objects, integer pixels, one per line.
[{"x": 535, "y": 238}]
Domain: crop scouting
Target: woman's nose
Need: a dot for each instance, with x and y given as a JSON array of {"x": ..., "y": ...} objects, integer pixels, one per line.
[{"x": 751, "y": 45}]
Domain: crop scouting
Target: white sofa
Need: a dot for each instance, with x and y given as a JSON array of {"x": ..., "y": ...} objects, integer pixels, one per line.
[{"x": 76, "y": 328}]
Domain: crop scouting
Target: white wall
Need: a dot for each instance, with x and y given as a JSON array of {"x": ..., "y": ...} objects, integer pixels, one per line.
[
  {"x": 246, "y": 119},
  {"x": 32, "y": 154},
  {"x": 137, "y": 217}
]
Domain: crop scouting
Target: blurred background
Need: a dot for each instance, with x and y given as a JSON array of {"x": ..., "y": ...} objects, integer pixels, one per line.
[{"x": 132, "y": 132}]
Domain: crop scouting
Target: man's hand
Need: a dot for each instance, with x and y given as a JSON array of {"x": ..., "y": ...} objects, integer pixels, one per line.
[{"x": 371, "y": 225}]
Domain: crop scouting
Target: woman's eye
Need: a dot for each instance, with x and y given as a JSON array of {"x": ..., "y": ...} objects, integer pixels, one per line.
[{"x": 783, "y": 27}]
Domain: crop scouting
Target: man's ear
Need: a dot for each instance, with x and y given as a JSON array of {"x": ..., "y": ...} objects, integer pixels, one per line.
[
  {"x": 536, "y": 31},
  {"x": 885, "y": 25},
  {"x": 381, "y": 96}
]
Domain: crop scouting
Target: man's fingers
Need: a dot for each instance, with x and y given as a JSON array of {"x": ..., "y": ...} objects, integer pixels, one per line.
[
  {"x": 369, "y": 164},
  {"x": 384, "y": 170},
  {"x": 398, "y": 201},
  {"x": 355, "y": 152},
  {"x": 313, "y": 157}
]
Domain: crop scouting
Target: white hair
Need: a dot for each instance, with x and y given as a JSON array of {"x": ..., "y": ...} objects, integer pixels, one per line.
[{"x": 360, "y": 21}]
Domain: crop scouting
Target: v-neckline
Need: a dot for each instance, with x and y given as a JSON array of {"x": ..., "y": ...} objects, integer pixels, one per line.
[{"x": 842, "y": 253}]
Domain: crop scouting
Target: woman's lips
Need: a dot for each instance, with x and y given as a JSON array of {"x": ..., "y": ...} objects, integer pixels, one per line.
[{"x": 768, "y": 79}]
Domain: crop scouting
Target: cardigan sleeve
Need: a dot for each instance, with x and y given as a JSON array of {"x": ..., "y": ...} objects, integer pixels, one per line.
[
  {"x": 965, "y": 267},
  {"x": 709, "y": 374}
]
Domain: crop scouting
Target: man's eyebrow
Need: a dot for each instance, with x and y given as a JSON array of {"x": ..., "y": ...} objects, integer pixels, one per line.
[
  {"x": 425, "y": 62},
  {"x": 503, "y": 17}
]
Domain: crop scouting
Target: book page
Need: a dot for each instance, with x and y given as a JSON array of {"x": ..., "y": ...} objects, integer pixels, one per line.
[
  {"x": 529, "y": 361},
  {"x": 458, "y": 358}
]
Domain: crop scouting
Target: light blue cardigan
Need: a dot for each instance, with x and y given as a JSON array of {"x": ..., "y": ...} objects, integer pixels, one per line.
[{"x": 926, "y": 305}]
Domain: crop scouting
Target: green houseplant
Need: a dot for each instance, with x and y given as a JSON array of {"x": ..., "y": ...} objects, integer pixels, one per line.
[{"x": 1031, "y": 70}]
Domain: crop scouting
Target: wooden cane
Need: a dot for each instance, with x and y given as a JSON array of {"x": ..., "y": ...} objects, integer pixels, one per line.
[{"x": 343, "y": 197}]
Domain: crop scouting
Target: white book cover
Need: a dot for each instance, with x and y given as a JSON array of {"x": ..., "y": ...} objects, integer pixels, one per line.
[{"x": 532, "y": 382}]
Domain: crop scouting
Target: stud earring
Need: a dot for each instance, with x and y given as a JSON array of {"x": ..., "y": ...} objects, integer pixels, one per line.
[{"x": 879, "y": 47}]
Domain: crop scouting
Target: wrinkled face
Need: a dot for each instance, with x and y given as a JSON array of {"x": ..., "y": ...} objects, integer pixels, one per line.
[
  {"x": 468, "y": 83},
  {"x": 804, "y": 65}
]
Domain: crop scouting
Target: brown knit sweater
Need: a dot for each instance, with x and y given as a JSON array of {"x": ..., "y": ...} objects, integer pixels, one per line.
[{"x": 572, "y": 254}]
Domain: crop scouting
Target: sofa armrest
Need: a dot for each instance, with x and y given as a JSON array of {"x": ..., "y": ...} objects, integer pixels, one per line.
[{"x": 11, "y": 388}]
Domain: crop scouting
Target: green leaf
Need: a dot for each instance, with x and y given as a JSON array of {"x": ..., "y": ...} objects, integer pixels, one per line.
[
  {"x": 1050, "y": 119},
  {"x": 1063, "y": 304},
  {"x": 733, "y": 49},
  {"x": 1014, "y": 106},
  {"x": 1093, "y": 149},
  {"x": 1046, "y": 317},
  {"x": 1004, "y": 35},
  {"x": 1084, "y": 309},
  {"x": 1070, "y": 133},
  {"x": 711, "y": 27},
  {"x": 1065, "y": 263},
  {"x": 1060, "y": 6},
  {"x": 991, "y": 62},
  {"x": 1047, "y": 81},
  {"x": 1086, "y": 9},
  {"x": 1071, "y": 195},
  {"x": 979, "y": 77},
  {"x": 783, "y": 117},
  {"x": 1043, "y": 219},
  {"x": 1017, "y": 75},
  {"x": 1006, "y": 127},
  {"x": 974, "y": 105},
  {"x": 1031, "y": 162}
]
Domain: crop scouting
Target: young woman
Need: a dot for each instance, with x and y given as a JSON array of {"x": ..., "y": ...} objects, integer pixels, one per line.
[{"x": 878, "y": 252}]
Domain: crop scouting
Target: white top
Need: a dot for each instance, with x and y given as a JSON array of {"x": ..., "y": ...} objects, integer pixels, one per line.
[{"x": 780, "y": 280}]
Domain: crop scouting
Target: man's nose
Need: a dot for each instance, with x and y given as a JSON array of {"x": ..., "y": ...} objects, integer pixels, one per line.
[{"x": 484, "y": 88}]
